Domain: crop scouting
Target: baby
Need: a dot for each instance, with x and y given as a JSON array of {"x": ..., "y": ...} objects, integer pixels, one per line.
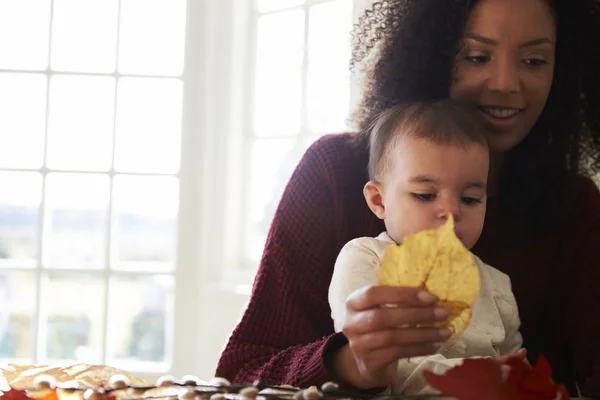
[{"x": 429, "y": 160}]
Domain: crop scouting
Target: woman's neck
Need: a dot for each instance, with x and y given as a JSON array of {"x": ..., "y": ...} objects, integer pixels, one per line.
[{"x": 496, "y": 160}]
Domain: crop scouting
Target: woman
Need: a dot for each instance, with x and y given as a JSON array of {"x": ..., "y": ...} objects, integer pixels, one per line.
[{"x": 532, "y": 67}]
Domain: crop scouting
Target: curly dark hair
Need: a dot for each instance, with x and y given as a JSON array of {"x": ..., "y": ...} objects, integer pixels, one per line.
[{"x": 414, "y": 44}]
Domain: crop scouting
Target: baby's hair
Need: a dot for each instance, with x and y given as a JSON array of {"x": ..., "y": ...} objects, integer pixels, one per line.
[{"x": 443, "y": 122}]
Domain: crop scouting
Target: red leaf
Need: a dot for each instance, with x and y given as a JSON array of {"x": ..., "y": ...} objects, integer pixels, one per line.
[
  {"x": 543, "y": 366},
  {"x": 14, "y": 394},
  {"x": 481, "y": 378},
  {"x": 475, "y": 379},
  {"x": 536, "y": 380}
]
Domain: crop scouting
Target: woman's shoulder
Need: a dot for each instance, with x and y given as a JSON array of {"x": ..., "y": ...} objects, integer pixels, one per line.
[
  {"x": 336, "y": 147},
  {"x": 587, "y": 188},
  {"x": 586, "y": 199},
  {"x": 338, "y": 158}
]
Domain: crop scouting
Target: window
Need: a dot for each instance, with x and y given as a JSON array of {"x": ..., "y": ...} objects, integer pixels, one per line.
[
  {"x": 133, "y": 167},
  {"x": 299, "y": 90},
  {"x": 91, "y": 102}
]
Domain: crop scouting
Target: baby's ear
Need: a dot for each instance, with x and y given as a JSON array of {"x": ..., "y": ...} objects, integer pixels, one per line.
[{"x": 373, "y": 192}]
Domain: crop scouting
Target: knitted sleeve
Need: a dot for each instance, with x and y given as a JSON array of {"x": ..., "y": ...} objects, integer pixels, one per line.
[
  {"x": 583, "y": 300},
  {"x": 286, "y": 329}
]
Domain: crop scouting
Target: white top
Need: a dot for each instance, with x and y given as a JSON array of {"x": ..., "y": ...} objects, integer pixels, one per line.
[{"x": 493, "y": 330}]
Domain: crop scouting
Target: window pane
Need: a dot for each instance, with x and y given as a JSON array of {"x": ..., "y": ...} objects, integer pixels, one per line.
[
  {"x": 279, "y": 73},
  {"x": 145, "y": 222},
  {"x": 17, "y": 314},
  {"x": 270, "y": 5},
  {"x": 84, "y": 35},
  {"x": 152, "y": 37},
  {"x": 148, "y": 125},
  {"x": 22, "y": 119},
  {"x": 20, "y": 199},
  {"x": 80, "y": 128},
  {"x": 273, "y": 161},
  {"x": 73, "y": 311},
  {"x": 76, "y": 220},
  {"x": 328, "y": 76},
  {"x": 140, "y": 316},
  {"x": 24, "y": 29}
]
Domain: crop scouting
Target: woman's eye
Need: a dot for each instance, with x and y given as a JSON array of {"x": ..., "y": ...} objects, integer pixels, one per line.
[
  {"x": 470, "y": 200},
  {"x": 424, "y": 196},
  {"x": 535, "y": 62},
  {"x": 477, "y": 60}
]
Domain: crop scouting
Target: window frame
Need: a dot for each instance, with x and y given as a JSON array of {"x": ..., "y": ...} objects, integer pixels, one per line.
[{"x": 211, "y": 282}]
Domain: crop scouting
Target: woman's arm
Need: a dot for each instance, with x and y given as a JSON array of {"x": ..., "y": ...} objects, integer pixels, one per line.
[
  {"x": 286, "y": 327},
  {"x": 286, "y": 334},
  {"x": 583, "y": 293}
]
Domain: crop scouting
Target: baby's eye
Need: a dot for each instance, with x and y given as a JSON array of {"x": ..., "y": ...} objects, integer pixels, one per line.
[
  {"x": 470, "y": 200},
  {"x": 424, "y": 196}
]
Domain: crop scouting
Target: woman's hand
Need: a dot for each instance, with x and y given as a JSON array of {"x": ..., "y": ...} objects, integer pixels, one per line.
[{"x": 379, "y": 335}]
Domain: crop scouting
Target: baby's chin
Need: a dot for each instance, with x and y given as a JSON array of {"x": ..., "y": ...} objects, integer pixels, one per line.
[{"x": 468, "y": 242}]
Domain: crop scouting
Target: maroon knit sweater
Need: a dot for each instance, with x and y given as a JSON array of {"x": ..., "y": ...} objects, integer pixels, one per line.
[{"x": 286, "y": 332}]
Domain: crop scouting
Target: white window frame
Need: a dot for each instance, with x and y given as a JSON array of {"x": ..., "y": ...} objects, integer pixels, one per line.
[
  {"x": 210, "y": 287},
  {"x": 211, "y": 283},
  {"x": 204, "y": 311},
  {"x": 151, "y": 370},
  {"x": 239, "y": 271}
]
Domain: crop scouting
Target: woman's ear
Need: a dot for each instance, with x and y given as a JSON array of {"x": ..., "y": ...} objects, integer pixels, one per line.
[{"x": 373, "y": 192}]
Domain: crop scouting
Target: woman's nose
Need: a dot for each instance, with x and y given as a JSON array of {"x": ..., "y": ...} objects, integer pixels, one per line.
[{"x": 504, "y": 76}]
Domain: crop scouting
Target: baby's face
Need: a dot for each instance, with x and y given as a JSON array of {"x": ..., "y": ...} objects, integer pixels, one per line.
[{"x": 428, "y": 181}]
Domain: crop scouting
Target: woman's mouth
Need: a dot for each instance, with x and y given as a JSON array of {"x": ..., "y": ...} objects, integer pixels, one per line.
[{"x": 501, "y": 117}]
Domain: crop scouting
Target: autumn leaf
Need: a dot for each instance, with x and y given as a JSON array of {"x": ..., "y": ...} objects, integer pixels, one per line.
[
  {"x": 474, "y": 379},
  {"x": 51, "y": 395},
  {"x": 482, "y": 379},
  {"x": 14, "y": 394},
  {"x": 535, "y": 382}
]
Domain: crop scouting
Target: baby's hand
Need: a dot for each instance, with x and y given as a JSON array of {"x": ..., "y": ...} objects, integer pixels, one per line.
[
  {"x": 502, "y": 360},
  {"x": 378, "y": 336},
  {"x": 515, "y": 355}
]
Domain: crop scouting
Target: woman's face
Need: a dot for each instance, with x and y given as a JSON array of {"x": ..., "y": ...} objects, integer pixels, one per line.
[{"x": 506, "y": 66}]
